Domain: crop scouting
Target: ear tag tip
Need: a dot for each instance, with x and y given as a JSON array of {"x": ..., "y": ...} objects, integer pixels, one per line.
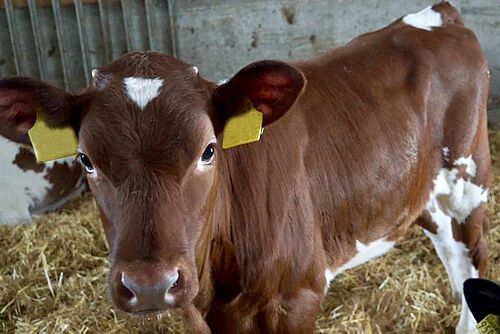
[
  {"x": 243, "y": 128},
  {"x": 52, "y": 143}
]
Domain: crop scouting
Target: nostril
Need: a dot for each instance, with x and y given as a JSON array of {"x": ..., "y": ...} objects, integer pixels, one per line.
[
  {"x": 172, "y": 279},
  {"x": 172, "y": 283},
  {"x": 125, "y": 290}
]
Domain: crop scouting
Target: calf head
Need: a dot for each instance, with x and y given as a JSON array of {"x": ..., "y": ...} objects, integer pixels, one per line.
[{"x": 148, "y": 130}]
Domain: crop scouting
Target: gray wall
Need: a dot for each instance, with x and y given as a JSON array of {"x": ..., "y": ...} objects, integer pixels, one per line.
[
  {"x": 61, "y": 42},
  {"x": 221, "y": 36}
]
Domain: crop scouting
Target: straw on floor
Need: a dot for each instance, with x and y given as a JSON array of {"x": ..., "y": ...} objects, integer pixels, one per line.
[{"x": 53, "y": 276}]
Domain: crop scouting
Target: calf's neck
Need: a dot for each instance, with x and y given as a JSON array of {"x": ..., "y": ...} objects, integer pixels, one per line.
[{"x": 359, "y": 144}]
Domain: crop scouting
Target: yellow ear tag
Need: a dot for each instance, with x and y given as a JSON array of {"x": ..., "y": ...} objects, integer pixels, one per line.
[
  {"x": 243, "y": 128},
  {"x": 52, "y": 143},
  {"x": 490, "y": 324}
]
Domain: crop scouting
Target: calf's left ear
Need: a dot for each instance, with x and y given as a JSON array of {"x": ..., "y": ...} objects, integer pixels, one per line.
[
  {"x": 34, "y": 112},
  {"x": 271, "y": 86}
]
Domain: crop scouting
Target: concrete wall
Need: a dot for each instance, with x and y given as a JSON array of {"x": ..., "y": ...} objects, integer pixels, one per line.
[
  {"x": 483, "y": 17},
  {"x": 221, "y": 36},
  {"x": 62, "y": 43}
]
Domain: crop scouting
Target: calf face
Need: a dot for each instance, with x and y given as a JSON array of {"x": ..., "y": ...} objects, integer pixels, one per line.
[{"x": 148, "y": 130}]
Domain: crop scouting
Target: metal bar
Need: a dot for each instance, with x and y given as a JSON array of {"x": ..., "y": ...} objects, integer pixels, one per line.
[
  {"x": 56, "y": 9},
  {"x": 103, "y": 14},
  {"x": 126, "y": 22},
  {"x": 45, "y": 3},
  {"x": 9, "y": 10},
  {"x": 173, "y": 29},
  {"x": 149, "y": 8},
  {"x": 83, "y": 39},
  {"x": 36, "y": 35}
]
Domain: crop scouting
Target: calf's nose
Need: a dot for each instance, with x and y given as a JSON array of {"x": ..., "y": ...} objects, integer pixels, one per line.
[{"x": 141, "y": 295}]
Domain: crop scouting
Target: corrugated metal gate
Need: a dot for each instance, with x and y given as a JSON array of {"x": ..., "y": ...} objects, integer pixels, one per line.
[{"x": 61, "y": 41}]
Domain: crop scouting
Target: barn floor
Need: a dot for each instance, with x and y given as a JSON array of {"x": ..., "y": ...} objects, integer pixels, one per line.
[{"x": 52, "y": 278}]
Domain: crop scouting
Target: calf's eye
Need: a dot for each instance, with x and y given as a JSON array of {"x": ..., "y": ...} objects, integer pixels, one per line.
[
  {"x": 85, "y": 161},
  {"x": 208, "y": 155}
]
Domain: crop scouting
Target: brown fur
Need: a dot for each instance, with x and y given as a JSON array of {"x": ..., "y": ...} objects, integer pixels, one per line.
[{"x": 353, "y": 141}]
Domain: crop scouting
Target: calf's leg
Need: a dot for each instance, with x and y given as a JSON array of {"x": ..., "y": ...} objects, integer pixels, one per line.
[
  {"x": 455, "y": 221},
  {"x": 462, "y": 259}
]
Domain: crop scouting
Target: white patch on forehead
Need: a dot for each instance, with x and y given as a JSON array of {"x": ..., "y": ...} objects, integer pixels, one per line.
[
  {"x": 426, "y": 19},
  {"x": 141, "y": 90},
  {"x": 454, "y": 196},
  {"x": 19, "y": 189},
  {"x": 364, "y": 254}
]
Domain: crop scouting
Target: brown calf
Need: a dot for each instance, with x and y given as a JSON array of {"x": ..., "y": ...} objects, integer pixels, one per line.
[{"x": 360, "y": 144}]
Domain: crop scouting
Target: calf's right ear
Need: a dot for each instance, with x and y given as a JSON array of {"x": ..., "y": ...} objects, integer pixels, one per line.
[{"x": 22, "y": 98}]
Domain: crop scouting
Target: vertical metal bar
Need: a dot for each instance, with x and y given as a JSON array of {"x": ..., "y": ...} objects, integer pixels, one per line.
[
  {"x": 103, "y": 14},
  {"x": 173, "y": 29},
  {"x": 126, "y": 23},
  {"x": 37, "y": 38},
  {"x": 56, "y": 9},
  {"x": 149, "y": 6},
  {"x": 9, "y": 10},
  {"x": 83, "y": 39}
]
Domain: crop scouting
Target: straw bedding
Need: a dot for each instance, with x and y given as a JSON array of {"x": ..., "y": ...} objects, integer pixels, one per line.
[{"x": 53, "y": 275}]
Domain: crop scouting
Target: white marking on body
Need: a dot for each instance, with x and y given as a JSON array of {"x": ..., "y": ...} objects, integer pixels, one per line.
[
  {"x": 94, "y": 73},
  {"x": 141, "y": 91},
  {"x": 455, "y": 257},
  {"x": 446, "y": 153},
  {"x": 454, "y": 197},
  {"x": 426, "y": 19},
  {"x": 364, "y": 254},
  {"x": 19, "y": 189},
  {"x": 468, "y": 163},
  {"x": 195, "y": 69}
]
